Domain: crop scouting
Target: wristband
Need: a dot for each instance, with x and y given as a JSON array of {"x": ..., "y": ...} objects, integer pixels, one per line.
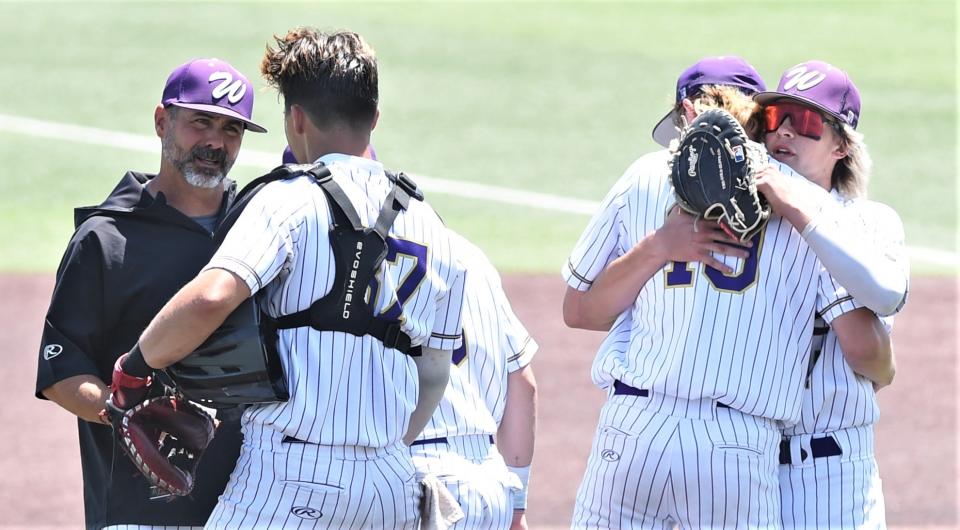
[
  {"x": 135, "y": 365},
  {"x": 520, "y": 495}
]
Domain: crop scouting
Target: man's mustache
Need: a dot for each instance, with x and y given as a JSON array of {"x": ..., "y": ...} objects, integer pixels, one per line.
[{"x": 208, "y": 153}]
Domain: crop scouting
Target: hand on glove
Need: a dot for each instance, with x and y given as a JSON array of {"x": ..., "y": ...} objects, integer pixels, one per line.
[{"x": 163, "y": 436}]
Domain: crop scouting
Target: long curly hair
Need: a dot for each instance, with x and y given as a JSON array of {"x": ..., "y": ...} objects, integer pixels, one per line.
[
  {"x": 851, "y": 174},
  {"x": 731, "y": 99}
]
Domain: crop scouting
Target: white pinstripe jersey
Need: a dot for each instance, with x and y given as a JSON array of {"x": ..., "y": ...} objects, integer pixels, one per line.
[
  {"x": 742, "y": 339},
  {"x": 345, "y": 390},
  {"x": 495, "y": 343},
  {"x": 835, "y": 397},
  {"x": 612, "y": 351}
]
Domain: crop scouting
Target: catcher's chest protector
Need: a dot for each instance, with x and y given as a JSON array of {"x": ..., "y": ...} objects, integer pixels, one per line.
[
  {"x": 358, "y": 253},
  {"x": 239, "y": 362}
]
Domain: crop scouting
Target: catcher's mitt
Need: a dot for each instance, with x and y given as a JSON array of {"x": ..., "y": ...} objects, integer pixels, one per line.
[
  {"x": 712, "y": 171},
  {"x": 164, "y": 437}
]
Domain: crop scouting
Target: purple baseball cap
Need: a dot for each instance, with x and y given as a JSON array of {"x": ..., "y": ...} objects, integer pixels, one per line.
[
  {"x": 214, "y": 86},
  {"x": 725, "y": 70},
  {"x": 819, "y": 85}
]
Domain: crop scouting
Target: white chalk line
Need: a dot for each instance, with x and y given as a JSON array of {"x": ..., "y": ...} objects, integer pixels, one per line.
[{"x": 263, "y": 160}]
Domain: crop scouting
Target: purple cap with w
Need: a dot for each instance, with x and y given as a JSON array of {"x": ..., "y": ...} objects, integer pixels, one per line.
[
  {"x": 821, "y": 86},
  {"x": 214, "y": 86},
  {"x": 726, "y": 70}
]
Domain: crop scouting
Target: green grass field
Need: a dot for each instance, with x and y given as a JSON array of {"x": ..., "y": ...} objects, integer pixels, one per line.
[{"x": 551, "y": 97}]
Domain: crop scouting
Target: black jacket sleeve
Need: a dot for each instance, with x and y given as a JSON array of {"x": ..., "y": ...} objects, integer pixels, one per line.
[{"x": 73, "y": 328}]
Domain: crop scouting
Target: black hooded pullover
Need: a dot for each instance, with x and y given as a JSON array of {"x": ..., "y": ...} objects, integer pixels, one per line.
[{"x": 126, "y": 259}]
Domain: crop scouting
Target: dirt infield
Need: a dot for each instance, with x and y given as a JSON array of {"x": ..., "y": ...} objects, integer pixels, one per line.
[{"x": 40, "y": 485}]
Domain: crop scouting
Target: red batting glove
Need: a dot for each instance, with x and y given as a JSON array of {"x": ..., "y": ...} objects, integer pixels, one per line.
[{"x": 127, "y": 390}]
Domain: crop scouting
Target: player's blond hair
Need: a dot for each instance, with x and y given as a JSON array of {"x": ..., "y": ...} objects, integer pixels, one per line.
[
  {"x": 731, "y": 99},
  {"x": 332, "y": 76},
  {"x": 851, "y": 174}
]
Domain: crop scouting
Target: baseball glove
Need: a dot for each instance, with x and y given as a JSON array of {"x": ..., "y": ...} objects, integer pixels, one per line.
[
  {"x": 165, "y": 438},
  {"x": 712, "y": 172}
]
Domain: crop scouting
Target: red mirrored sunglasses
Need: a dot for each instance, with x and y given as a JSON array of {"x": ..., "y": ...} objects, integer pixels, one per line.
[{"x": 804, "y": 120}]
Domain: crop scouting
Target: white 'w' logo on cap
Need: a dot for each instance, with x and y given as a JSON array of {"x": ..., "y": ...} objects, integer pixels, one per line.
[
  {"x": 803, "y": 79},
  {"x": 234, "y": 90}
]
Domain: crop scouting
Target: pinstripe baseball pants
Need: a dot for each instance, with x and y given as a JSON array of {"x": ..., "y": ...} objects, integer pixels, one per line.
[
  {"x": 475, "y": 473},
  {"x": 284, "y": 483},
  {"x": 836, "y": 491},
  {"x": 659, "y": 461}
]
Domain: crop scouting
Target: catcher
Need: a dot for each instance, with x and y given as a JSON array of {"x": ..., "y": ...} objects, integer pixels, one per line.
[{"x": 128, "y": 256}]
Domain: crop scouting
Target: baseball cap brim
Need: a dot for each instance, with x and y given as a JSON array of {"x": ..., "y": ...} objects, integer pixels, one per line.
[
  {"x": 764, "y": 98},
  {"x": 216, "y": 109},
  {"x": 665, "y": 131}
]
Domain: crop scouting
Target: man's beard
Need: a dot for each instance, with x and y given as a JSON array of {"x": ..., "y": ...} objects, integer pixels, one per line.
[{"x": 200, "y": 177}]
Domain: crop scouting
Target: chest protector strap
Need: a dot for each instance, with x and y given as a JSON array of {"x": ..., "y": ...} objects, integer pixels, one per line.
[{"x": 358, "y": 254}]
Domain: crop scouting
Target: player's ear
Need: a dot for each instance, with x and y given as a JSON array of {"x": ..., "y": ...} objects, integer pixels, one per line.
[
  {"x": 376, "y": 118},
  {"x": 295, "y": 125},
  {"x": 160, "y": 120},
  {"x": 298, "y": 119},
  {"x": 840, "y": 149}
]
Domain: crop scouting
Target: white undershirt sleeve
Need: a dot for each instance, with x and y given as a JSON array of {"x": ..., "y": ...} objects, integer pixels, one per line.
[{"x": 875, "y": 274}]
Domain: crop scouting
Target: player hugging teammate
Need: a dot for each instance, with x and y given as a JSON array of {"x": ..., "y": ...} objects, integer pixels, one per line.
[
  {"x": 708, "y": 361},
  {"x": 827, "y": 457}
]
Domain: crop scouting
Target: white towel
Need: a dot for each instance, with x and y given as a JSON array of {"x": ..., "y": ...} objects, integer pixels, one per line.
[{"x": 439, "y": 509}]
